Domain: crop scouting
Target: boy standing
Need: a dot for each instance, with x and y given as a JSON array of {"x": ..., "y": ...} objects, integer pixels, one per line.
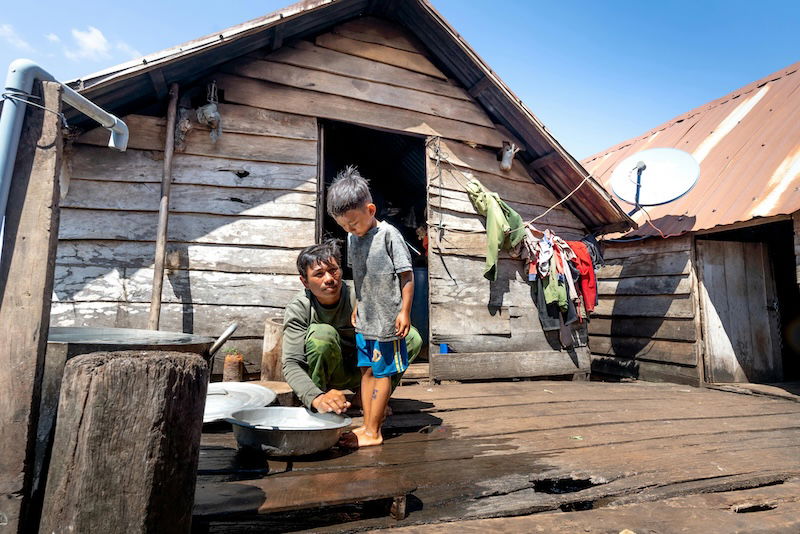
[{"x": 384, "y": 285}]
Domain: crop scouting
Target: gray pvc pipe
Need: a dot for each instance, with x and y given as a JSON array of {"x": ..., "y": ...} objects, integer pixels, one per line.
[{"x": 21, "y": 75}]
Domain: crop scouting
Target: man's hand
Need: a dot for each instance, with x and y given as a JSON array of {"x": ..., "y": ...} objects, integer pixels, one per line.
[
  {"x": 353, "y": 317},
  {"x": 331, "y": 401},
  {"x": 402, "y": 324}
]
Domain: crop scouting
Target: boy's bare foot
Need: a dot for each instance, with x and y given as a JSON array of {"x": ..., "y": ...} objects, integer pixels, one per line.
[
  {"x": 368, "y": 439},
  {"x": 359, "y": 430}
]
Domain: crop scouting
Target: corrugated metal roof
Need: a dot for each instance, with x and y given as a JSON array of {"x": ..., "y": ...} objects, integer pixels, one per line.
[
  {"x": 748, "y": 147},
  {"x": 124, "y": 87}
]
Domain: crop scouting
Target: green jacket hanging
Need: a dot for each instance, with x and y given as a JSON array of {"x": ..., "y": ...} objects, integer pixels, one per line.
[{"x": 504, "y": 227}]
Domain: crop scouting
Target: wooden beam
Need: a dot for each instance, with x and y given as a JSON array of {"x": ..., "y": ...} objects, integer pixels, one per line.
[
  {"x": 493, "y": 365},
  {"x": 543, "y": 161},
  {"x": 159, "y": 83},
  {"x": 26, "y": 287},
  {"x": 479, "y": 87},
  {"x": 163, "y": 213},
  {"x": 277, "y": 36}
]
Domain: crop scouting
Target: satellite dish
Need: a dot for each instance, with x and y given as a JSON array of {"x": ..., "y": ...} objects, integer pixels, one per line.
[{"x": 655, "y": 176}]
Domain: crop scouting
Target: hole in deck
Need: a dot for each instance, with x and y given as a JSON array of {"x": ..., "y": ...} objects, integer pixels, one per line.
[
  {"x": 563, "y": 485},
  {"x": 748, "y": 508},
  {"x": 578, "y": 506}
]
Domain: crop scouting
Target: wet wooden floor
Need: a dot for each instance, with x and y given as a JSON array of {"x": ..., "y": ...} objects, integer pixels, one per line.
[{"x": 533, "y": 456}]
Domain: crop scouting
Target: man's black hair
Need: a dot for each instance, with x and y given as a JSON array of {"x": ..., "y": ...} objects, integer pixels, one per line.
[
  {"x": 348, "y": 191},
  {"x": 320, "y": 253}
]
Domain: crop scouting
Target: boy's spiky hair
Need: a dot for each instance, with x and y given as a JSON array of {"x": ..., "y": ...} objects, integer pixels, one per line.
[
  {"x": 319, "y": 253},
  {"x": 348, "y": 191}
]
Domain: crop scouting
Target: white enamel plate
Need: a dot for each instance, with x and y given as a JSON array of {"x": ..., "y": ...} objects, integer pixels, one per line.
[{"x": 224, "y": 398}]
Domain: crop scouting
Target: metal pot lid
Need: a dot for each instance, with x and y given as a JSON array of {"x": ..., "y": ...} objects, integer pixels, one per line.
[
  {"x": 122, "y": 336},
  {"x": 224, "y": 398}
]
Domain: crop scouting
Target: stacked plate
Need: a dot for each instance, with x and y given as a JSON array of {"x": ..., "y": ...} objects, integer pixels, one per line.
[{"x": 224, "y": 398}]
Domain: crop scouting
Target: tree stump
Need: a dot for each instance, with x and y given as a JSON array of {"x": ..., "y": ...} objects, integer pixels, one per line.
[
  {"x": 127, "y": 443},
  {"x": 271, "y": 364}
]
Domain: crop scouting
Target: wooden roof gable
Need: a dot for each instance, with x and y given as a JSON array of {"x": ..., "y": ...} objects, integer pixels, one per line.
[{"x": 129, "y": 86}]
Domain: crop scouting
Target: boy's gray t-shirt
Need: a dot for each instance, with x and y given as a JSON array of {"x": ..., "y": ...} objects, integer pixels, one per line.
[{"x": 377, "y": 260}]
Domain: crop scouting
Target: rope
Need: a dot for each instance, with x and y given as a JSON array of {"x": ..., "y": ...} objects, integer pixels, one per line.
[
  {"x": 24, "y": 98},
  {"x": 439, "y": 157}
]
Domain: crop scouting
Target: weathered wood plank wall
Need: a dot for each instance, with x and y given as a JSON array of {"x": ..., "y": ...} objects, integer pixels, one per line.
[
  {"x": 241, "y": 209},
  {"x": 646, "y": 322}
]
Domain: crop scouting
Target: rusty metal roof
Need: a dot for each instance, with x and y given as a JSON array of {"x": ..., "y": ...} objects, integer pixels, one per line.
[
  {"x": 131, "y": 85},
  {"x": 748, "y": 147}
]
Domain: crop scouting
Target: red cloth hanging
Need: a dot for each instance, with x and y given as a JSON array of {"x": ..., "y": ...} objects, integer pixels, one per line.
[{"x": 588, "y": 281}]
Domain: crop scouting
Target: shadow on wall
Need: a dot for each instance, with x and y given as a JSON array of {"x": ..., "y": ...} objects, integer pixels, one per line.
[{"x": 652, "y": 308}]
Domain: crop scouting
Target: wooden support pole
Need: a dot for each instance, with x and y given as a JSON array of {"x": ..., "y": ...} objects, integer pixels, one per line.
[
  {"x": 127, "y": 443},
  {"x": 163, "y": 211},
  {"x": 26, "y": 287}
]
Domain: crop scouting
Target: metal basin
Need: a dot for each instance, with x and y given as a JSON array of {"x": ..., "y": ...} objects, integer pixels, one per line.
[
  {"x": 286, "y": 431},
  {"x": 83, "y": 340}
]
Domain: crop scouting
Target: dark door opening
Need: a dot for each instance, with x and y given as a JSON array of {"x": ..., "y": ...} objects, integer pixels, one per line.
[
  {"x": 394, "y": 164},
  {"x": 779, "y": 240}
]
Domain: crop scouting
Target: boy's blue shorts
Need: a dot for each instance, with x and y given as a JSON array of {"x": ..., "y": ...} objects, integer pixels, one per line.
[{"x": 387, "y": 358}]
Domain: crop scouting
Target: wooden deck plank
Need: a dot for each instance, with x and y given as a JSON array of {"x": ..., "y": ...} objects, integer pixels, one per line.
[{"x": 493, "y": 449}]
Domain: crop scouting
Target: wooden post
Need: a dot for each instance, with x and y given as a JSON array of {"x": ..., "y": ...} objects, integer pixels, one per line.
[
  {"x": 127, "y": 443},
  {"x": 271, "y": 364},
  {"x": 163, "y": 211},
  {"x": 26, "y": 287}
]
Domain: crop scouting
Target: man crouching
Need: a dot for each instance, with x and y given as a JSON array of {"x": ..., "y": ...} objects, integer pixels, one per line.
[{"x": 319, "y": 347}]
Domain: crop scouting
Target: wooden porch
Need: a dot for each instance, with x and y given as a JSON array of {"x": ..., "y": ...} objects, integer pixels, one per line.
[{"x": 559, "y": 456}]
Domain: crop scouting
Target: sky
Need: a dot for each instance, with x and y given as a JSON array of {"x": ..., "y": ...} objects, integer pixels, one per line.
[{"x": 595, "y": 72}]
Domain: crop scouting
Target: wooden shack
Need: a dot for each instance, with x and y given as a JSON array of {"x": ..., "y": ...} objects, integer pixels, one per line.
[
  {"x": 717, "y": 299},
  {"x": 386, "y": 85}
]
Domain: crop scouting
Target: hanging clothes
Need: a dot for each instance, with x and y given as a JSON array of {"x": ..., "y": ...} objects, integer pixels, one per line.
[
  {"x": 504, "y": 227},
  {"x": 588, "y": 280}
]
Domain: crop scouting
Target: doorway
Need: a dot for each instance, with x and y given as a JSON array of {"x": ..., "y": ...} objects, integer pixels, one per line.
[
  {"x": 751, "y": 304},
  {"x": 394, "y": 165}
]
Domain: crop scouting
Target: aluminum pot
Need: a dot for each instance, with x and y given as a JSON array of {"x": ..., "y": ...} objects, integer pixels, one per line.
[{"x": 287, "y": 431}]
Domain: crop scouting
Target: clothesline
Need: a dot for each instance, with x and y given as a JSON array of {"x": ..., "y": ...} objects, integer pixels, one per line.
[{"x": 439, "y": 157}]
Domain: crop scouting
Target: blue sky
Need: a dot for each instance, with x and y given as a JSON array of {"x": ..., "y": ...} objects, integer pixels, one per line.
[{"x": 595, "y": 72}]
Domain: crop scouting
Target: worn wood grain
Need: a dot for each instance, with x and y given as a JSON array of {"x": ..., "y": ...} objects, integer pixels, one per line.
[
  {"x": 187, "y": 228},
  {"x": 454, "y": 318},
  {"x": 455, "y": 179},
  {"x": 147, "y": 133},
  {"x": 143, "y": 166},
  {"x": 483, "y": 366},
  {"x": 457, "y": 155},
  {"x": 644, "y": 370},
  {"x": 646, "y": 285},
  {"x": 413, "y": 61},
  {"x": 647, "y": 246},
  {"x": 88, "y": 284},
  {"x": 26, "y": 281},
  {"x": 380, "y": 31},
  {"x": 677, "y": 307},
  {"x": 306, "y": 54},
  {"x": 645, "y": 349},
  {"x": 187, "y": 256},
  {"x": 92, "y": 194},
  {"x": 361, "y": 89},
  {"x": 649, "y": 327},
  {"x": 268, "y": 95},
  {"x": 126, "y": 420},
  {"x": 670, "y": 263}
]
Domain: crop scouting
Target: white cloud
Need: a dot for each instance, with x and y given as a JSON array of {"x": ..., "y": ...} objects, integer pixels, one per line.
[
  {"x": 10, "y": 35},
  {"x": 91, "y": 45},
  {"x": 128, "y": 50},
  {"x": 53, "y": 38}
]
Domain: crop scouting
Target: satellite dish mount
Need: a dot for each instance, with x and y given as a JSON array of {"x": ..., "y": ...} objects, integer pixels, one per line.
[{"x": 663, "y": 175}]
